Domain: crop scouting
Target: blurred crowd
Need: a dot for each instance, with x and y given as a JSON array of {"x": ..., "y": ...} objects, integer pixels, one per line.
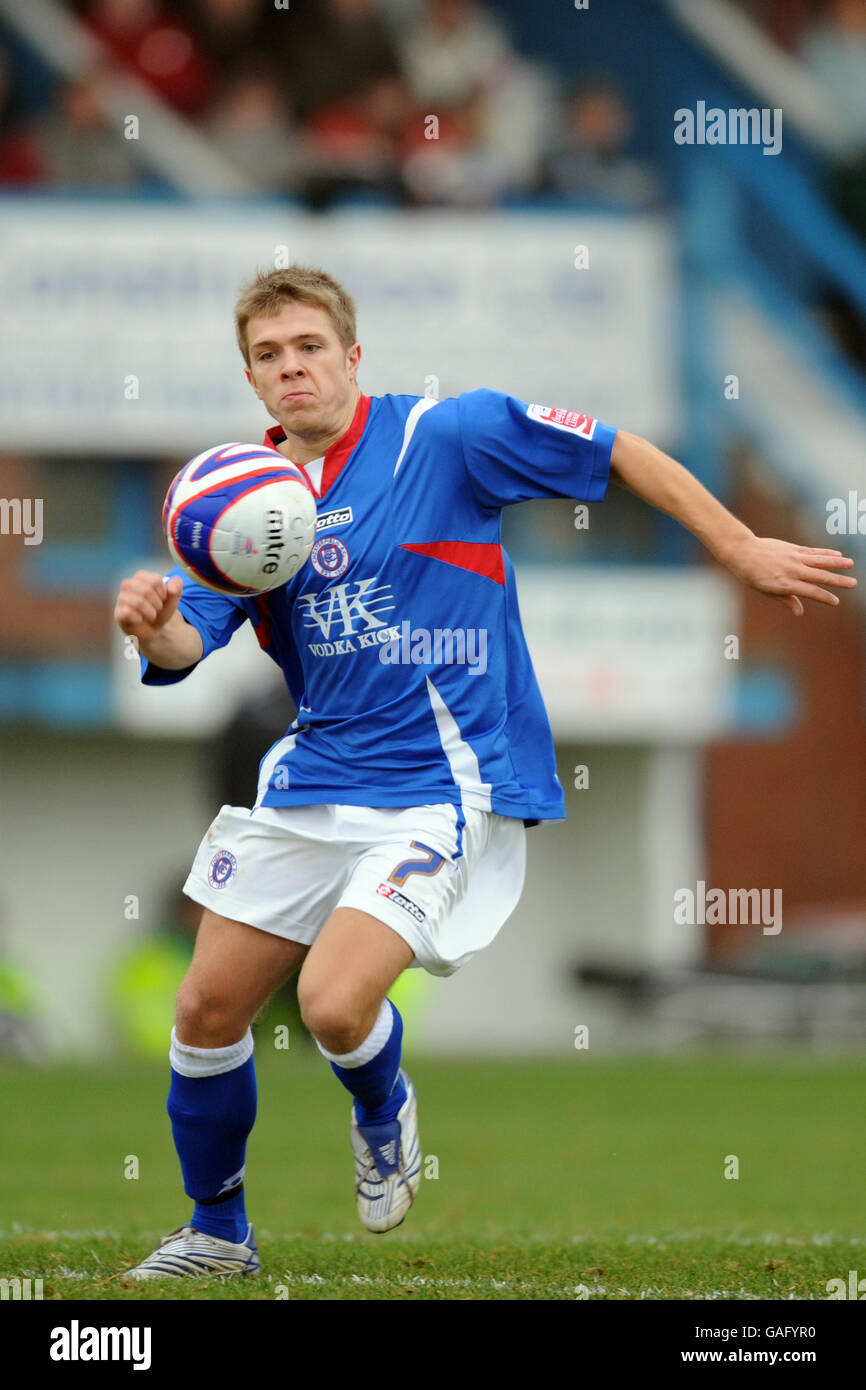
[
  {"x": 829, "y": 39},
  {"x": 424, "y": 102}
]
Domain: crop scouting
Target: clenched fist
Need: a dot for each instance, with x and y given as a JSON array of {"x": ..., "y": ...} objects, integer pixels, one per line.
[{"x": 145, "y": 604}]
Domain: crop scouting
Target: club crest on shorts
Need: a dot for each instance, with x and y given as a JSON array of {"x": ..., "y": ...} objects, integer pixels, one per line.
[
  {"x": 222, "y": 868},
  {"x": 329, "y": 557}
]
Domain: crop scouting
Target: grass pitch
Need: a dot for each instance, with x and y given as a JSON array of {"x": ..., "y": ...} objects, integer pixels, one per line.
[{"x": 585, "y": 1178}]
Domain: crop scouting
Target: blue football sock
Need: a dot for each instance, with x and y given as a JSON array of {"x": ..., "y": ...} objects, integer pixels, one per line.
[
  {"x": 211, "y": 1118},
  {"x": 373, "y": 1074}
]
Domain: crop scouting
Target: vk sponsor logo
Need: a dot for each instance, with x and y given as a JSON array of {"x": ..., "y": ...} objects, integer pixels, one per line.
[{"x": 344, "y": 610}]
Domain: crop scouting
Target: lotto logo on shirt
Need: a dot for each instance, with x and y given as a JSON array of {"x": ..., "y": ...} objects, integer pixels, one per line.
[
  {"x": 562, "y": 419},
  {"x": 327, "y": 520}
]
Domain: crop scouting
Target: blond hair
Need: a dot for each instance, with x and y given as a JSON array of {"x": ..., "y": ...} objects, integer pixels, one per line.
[{"x": 298, "y": 284}]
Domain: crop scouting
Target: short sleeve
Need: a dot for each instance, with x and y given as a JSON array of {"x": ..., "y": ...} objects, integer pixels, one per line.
[
  {"x": 515, "y": 451},
  {"x": 215, "y": 616}
]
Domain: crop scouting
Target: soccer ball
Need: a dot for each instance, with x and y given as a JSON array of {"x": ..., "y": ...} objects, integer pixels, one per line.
[{"x": 240, "y": 519}]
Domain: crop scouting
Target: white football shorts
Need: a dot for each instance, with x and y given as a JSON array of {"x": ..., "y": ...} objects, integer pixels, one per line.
[{"x": 443, "y": 878}]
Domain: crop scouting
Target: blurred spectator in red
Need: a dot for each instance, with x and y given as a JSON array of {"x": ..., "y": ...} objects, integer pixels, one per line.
[
  {"x": 357, "y": 143},
  {"x": 144, "y": 36},
  {"x": 250, "y": 124},
  {"x": 458, "y": 168},
  {"x": 590, "y": 159},
  {"x": 19, "y": 150},
  {"x": 79, "y": 148},
  {"x": 229, "y": 30},
  {"x": 332, "y": 50},
  {"x": 492, "y": 108}
]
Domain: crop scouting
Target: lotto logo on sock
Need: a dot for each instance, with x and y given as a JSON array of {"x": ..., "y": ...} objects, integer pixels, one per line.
[
  {"x": 234, "y": 1181},
  {"x": 223, "y": 868},
  {"x": 386, "y": 890}
]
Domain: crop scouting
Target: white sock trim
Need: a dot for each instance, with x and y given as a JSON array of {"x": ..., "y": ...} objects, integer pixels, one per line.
[
  {"x": 372, "y": 1044},
  {"x": 209, "y": 1061}
]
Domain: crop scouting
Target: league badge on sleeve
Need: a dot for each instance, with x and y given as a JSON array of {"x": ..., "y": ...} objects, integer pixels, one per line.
[{"x": 561, "y": 419}]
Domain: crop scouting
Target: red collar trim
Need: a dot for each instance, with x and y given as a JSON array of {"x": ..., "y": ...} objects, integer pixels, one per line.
[{"x": 338, "y": 453}]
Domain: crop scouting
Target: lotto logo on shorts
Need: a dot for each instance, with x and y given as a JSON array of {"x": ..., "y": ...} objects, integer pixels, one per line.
[
  {"x": 387, "y": 890},
  {"x": 561, "y": 419},
  {"x": 222, "y": 868}
]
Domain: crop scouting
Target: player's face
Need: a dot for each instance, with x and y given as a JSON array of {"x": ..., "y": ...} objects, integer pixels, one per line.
[{"x": 300, "y": 369}]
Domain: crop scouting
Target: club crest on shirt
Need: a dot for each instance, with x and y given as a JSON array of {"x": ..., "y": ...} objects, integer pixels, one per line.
[
  {"x": 222, "y": 868},
  {"x": 329, "y": 557}
]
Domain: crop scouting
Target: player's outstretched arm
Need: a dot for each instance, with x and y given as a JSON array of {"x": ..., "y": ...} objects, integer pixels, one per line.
[
  {"x": 786, "y": 571},
  {"x": 146, "y": 609}
]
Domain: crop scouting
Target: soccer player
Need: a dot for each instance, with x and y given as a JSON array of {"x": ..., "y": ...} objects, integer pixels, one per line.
[{"x": 389, "y": 826}]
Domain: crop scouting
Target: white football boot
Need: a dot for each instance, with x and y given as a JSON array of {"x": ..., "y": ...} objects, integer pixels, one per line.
[
  {"x": 387, "y": 1165},
  {"x": 188, "y": 1251}
]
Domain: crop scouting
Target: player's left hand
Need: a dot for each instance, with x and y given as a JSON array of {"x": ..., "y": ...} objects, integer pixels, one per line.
[{"x": 791, "y": 572}]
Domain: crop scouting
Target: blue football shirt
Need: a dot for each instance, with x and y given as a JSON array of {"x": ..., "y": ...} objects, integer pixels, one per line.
[{"x": 400, "y": 638}]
